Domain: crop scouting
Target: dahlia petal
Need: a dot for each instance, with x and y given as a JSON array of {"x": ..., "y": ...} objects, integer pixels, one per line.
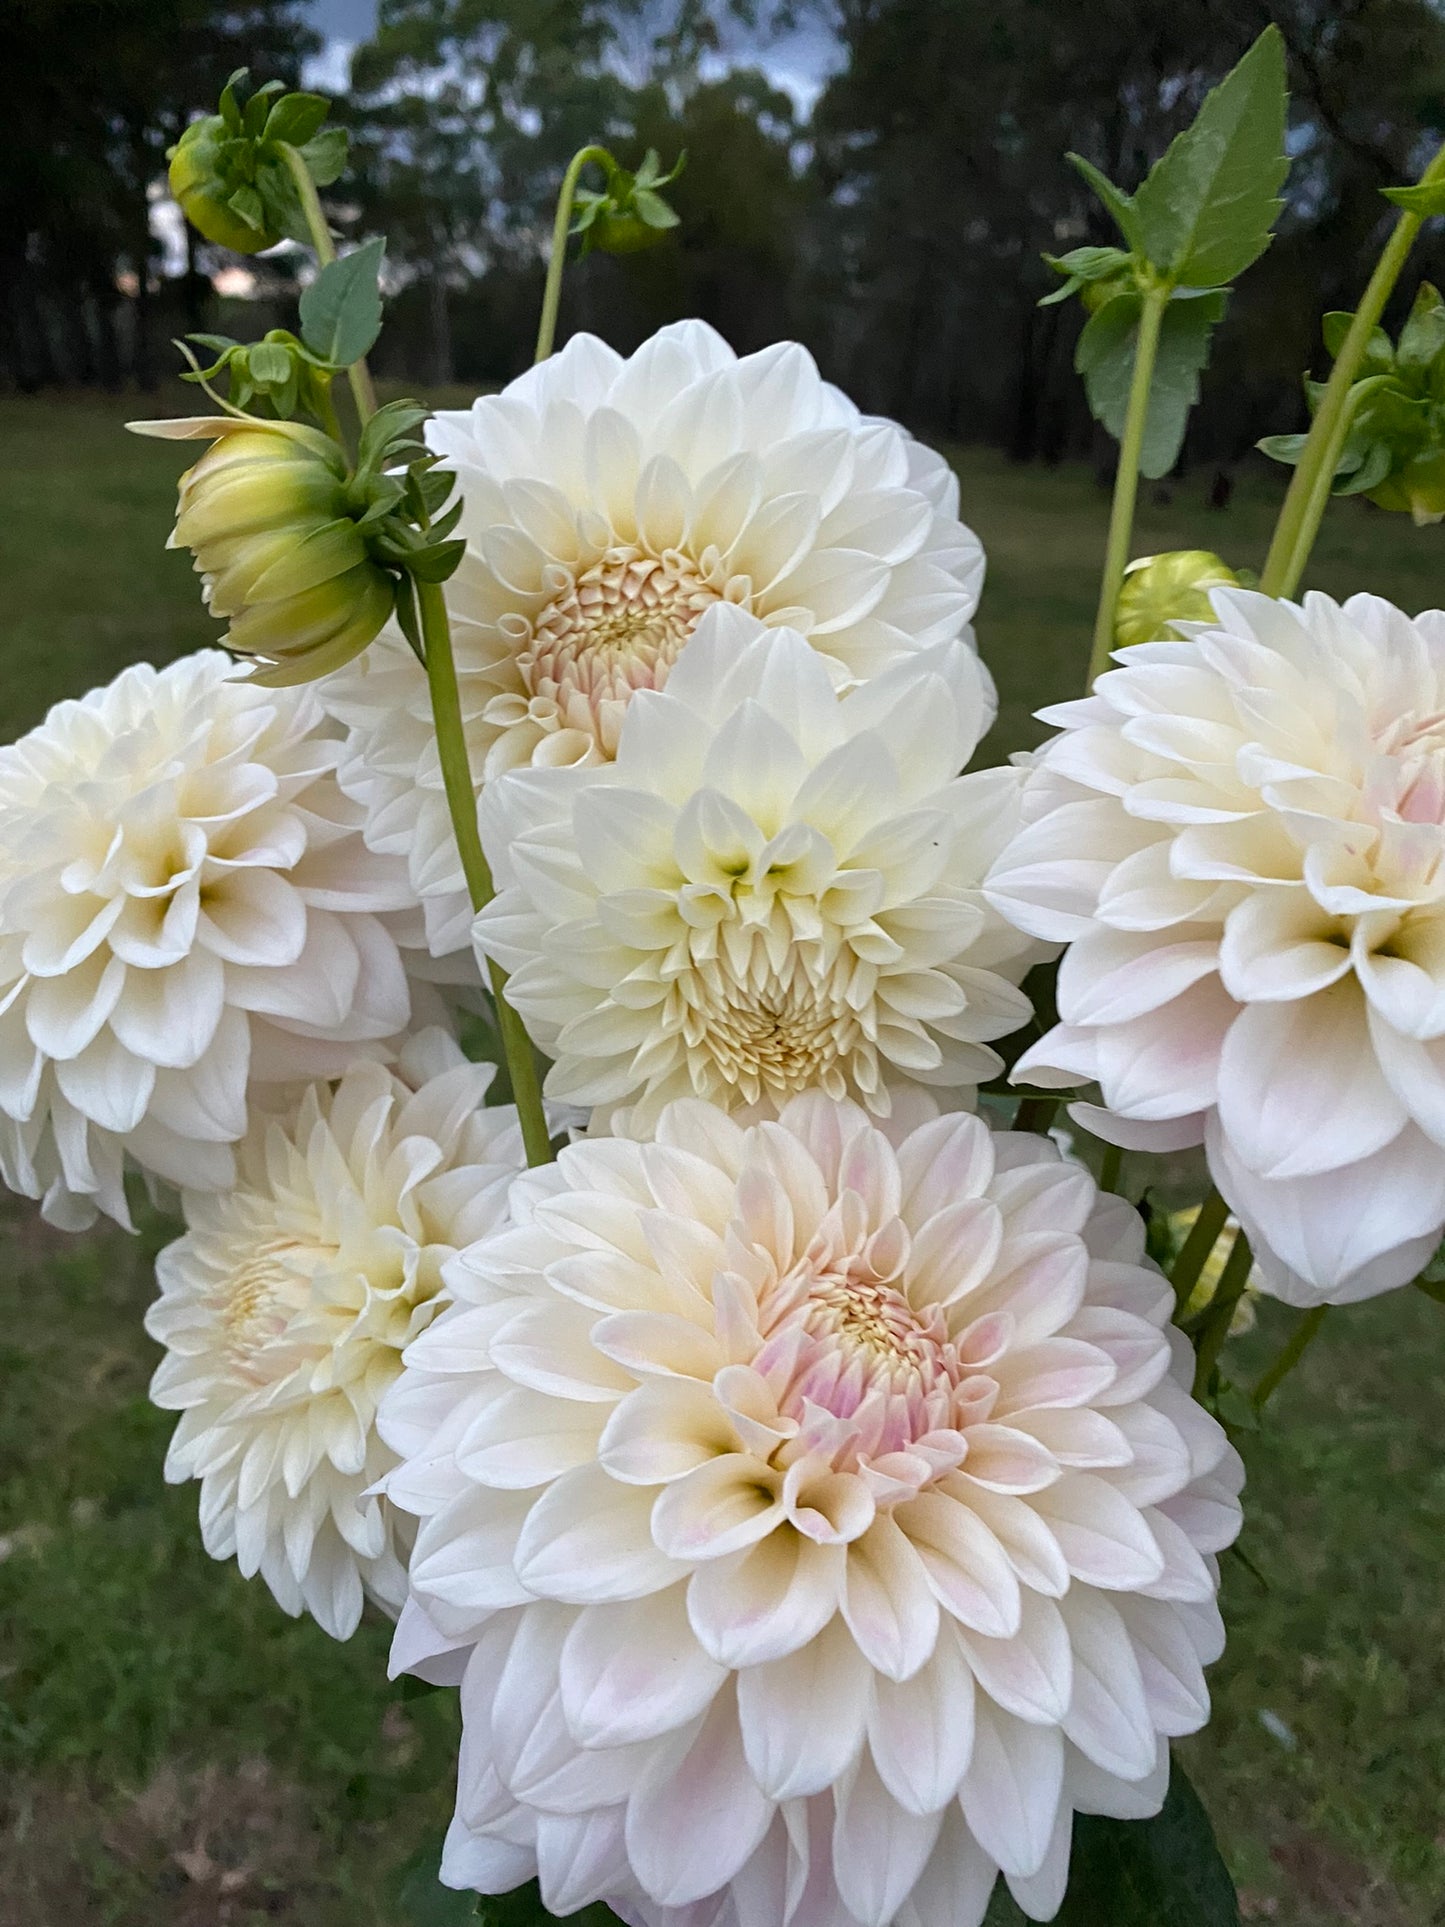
[
  {"x": 481, "y": 1863},
  {"x": 588, "y": 1540},
  {"x": 1102, "y": 1536},
  {"x": 697, "y": 1814},
  {"x": 790, "y": 1752},
  {"x": 920, "y": 1730},
  {"x": 1030, "y": 1675},
  {"x": 1108, "y": 1715},
  {"x": 957, "y": 1882},
  {"x": 965, "y": 1566},
  {"x": 767, "y": 1601},
  {"x": 663, "y": 1430},
  {"x": 889, "y": 1605},
  {"x": 629, "y": 1675},
  {"x": 879, "y": 1847},
  {"x": 1010, "y": 1794}
]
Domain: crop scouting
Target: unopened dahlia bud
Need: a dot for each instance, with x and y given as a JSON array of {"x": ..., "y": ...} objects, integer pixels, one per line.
[
  {"x": 199, "y": 181},
  {"x": 1160, "y": 590},
  {"x": 267, "y": 513}
]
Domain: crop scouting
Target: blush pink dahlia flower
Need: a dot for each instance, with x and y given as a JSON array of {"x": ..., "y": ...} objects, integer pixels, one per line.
[
  {"x": 814, "y": 1523},
  {"x": 608, "y": 504},
  {"x": 1241, "y": 837}
]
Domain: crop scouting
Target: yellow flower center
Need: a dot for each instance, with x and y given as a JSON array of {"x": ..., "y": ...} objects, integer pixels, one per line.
[{"x": 264, "y": 1294}]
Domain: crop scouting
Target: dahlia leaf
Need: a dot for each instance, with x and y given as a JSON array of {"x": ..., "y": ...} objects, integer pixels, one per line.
[
  {"x": 1207, "y": 209},
  {"x": 1164, "y": 1872},
  {"x": 425, "y": 1902},
  {"x": 1105, "y": 358},
  {"x": 341, "y": 310},
  {"x": 1119, "y": 204}
]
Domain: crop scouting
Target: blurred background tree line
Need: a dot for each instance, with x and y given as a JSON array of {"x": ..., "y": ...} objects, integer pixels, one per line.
[{"x": 895, "y": 226}]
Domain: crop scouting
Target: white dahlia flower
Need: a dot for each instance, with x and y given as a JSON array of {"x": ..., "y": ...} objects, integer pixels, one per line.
[
  {"x": 772, "y": 886},
  {"x": 813, "y": 1525},
  {"x": 285, "y": 1308},
  {"x": 186, "y": 904},
  {"x": 609, "y": 502},
  {"x": 1242, "y": 838}
]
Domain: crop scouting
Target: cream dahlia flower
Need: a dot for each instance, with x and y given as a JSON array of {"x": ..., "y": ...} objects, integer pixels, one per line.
[
  {"x": 609, "y": 502},
  {"x": 285, "y": 1308},
  {"x": 772, "y": 886},
  {"x": 1242, "y": 838},
  {"x": 186, "y": 904},
  {"x": 814, "y": 1525}
]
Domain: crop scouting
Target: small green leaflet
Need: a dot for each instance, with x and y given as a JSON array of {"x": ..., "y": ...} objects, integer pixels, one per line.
[
  {"x": 1207, "y": 209},
  {"x": 341, "y": 310},
  {"x": 1164, "y": 1872},
  {"x": 1425, "y": 198},
  {"x": 1105, "y": 359}
]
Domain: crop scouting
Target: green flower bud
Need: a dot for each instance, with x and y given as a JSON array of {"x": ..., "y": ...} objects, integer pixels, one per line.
[
  {"x": 1160, "y": 590},
  {"x": 200, "y": 183},
  {"x": 268, "y": 514},
  {"x": 1419, "y": 487}
]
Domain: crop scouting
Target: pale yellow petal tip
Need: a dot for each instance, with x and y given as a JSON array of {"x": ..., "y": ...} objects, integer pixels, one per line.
[{"x": 184, "y": 428}]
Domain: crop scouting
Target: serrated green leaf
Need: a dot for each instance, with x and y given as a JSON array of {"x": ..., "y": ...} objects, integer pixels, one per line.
[
  {"x": 1105, "y": 358},
  {"x": 1208, "y": 207},
  {"x": 1426, "y": 198},
  {"x": 1119, "y": 204},
  {"x": 341, "y": 310}
]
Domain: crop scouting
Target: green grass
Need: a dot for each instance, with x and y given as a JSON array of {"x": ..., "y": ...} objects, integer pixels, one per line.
[{"x": 176, "y": 1753}]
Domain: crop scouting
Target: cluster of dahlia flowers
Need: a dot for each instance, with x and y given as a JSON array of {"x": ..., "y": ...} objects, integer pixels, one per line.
[{"x": 799, "y": 1475}]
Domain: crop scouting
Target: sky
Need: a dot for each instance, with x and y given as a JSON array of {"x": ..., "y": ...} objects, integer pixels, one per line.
[{"x": 798, "y": 63}]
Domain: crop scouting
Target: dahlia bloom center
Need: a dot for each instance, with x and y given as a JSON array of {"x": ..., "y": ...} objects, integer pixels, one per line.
[
  {"x": 271, "y": 1287},
  {"x": 609, "y": 630},
  {"x": 769, "y": 1033}
]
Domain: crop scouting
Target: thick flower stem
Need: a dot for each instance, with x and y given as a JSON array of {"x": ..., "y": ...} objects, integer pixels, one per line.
[
  {"x": 1310, "y": 485},
  {"x": 557, "y": 261},
  {"x": 1290, "y": 1354},
  {"x": 1194, "y": 1252},
  {"x": 441, "y": 672},
  {"x": 1220, "y": 1316},
  {"x": 1037, "y": 1114},
  {"x": 358, "y": 374},
  {"x": 1126, "y": 477}
]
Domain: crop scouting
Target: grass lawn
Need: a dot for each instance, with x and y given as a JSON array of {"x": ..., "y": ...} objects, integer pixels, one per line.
[{"x": 174, "y": 1752}]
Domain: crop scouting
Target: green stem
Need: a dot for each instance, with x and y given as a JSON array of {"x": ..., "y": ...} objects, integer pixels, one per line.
[
  {"x": 1194, "y": 1252},
  {"x": 1293, "y": 1350},
  {"x": 441, "y": 672},
  {"x": 1126, "y": 477},
  {"x": 1310, "y": 485},
  {"x": 557, "y": 261},
  {"x": 358, "y": 374},
  {"x": 1110, "y": 1167},
  {"x": 1036, "y": 1114},
  {"x": 1232, "y": 1281}
]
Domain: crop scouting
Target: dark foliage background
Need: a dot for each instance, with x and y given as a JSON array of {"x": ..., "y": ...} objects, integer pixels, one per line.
[{"x": 897, "y": 228}]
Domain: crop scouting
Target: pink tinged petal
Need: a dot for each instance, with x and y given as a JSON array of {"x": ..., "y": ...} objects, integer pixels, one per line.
[
  {"x": 1279, "y": 945},
  {"x": 965, "y": 1565},
  {"x": 1208, "y": 1512},
  {"x": 658, "y": 1342},
  {"x": 522, "y": 1439},
  {"x": 1159, "y": 1465},
  {"x": 1006, "y": 1460},
  {"x": 1140, "y": 1352},
  {"x": 749, "y": 1403},
  {"x": 953, "y": 1252},
  {"x": 1048, "y": 879},
  {"x": 1165, "y": 1064},
  {"x": 1300, "y": 1087},
  {"x": 698, "y": 1814},
  {"x": 920, "y": 1730},
  {"x": 804, "y": 1717},
  {"x": 1169, "y": 1665},
  {"x": 1104, "y": 1538},
  {"x": 945, "y": 1162},
  {"x": 1010, "y": 1794},
  {"x": 1027, "y": 1543},
  {"x": 829, "y": 1507},
  {"x": 550, "y": 1349},
  {"x": 888, "y": 1604},
  {"x": 462, "y": 1567},
  {"x": 1108, "y": 1717},
  {"x": 581, "y": 1858},
  {"x": 766, "y": 1602},
  {"x": 1401, "y": 967},
  {"x": 589, "y": 1540},
  {"x": 723, "y": 1505},
  {"x": 1030, "y": 1675},
  {"x": 481, "y": 1863},
  {"x": 631, "y": 1673},
  {"x": 1186, "y": 1576},
  {"x": 1041, "y": 1894},
  {"x": 1111, "y": 976},
  {"x": 956, "y": 1884},
  {"x": 1090, "y": 1790},
  {"x": 879, "y": 1847},
  {"x": 1415, "y": 1072},
  {"x": 1057, "y": 1371},
  {"x": 664, "y": 1429}
]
